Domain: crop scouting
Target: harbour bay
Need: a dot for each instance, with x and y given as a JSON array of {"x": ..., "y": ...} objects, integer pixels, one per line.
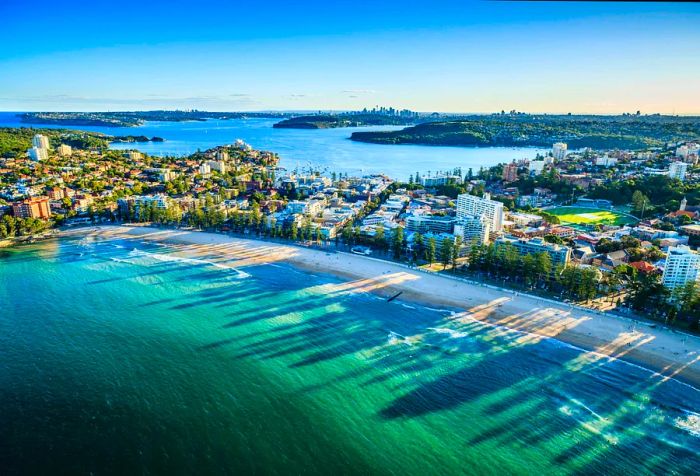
[{"x": 324, "y": 149}]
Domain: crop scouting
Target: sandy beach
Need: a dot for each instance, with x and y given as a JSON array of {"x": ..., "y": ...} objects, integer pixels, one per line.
[{"x": 669, "y": 353}]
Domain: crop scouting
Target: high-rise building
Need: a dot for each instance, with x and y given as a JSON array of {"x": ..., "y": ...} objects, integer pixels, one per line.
[
  {"x": 40, "y": 141},
  {"x": 473, "y": 229},
  {"x": 559, "y": 150},
  {"x": 64, "y": 150},
  {"x": 470, "y": 205},
  {"x": 682, "y": 266},
  {"x": 35, "y": 207},
  {"x": 677, "y": 170},
  {"x": 38, "y": 154},
  {"x": 510, "y": 172}
]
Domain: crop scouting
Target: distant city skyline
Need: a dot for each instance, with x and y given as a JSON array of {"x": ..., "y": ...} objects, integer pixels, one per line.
[{"x": 478, "y": 57}]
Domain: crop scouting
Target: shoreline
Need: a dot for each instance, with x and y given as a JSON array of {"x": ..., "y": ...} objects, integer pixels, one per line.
[{"x": 669, "y": 354}]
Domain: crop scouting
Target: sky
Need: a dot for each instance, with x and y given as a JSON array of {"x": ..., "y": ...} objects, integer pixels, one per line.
[{"x": 451, "y": 56}]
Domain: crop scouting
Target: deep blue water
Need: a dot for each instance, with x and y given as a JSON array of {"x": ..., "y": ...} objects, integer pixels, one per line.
[{"x": 328, "y": 149}]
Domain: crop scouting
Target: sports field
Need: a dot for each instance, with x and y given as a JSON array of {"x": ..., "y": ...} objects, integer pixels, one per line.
[{"x": 589, "y": 216}]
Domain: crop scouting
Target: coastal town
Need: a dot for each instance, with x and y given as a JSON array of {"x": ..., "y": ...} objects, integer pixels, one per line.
[{"x": 613, "y": 229}]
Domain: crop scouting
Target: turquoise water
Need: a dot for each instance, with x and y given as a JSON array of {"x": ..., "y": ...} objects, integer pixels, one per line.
[
  {"x": 325, "y": 149},
  {"x": 122, "y": 357}
]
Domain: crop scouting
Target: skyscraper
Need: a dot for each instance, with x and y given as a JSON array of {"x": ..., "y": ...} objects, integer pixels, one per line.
[
  {"x": 677, "y": 170},
  {"x": 510, "y": 172},
  {"x": 469, "y": 206},
  {"x": 40, "y": 141},
  {"x": 559, "y": 150},
  {"x": 682, "y": 266}
]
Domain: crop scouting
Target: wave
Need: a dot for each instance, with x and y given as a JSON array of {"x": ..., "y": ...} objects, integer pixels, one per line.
[{"x": 169, "y": 258}]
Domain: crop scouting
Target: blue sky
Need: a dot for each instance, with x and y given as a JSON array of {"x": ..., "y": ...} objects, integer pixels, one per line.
[{"x": 427, "y": 56}]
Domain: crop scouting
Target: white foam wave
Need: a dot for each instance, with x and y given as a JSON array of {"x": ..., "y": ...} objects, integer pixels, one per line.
[
  {"x": 169, "y": 258},
  {"x": 451, "y": 332}
]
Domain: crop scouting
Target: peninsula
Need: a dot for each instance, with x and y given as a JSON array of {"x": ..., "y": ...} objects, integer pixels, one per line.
[
  {"x": 628, "y": 131},
  {"x": 136, "y": 118}
]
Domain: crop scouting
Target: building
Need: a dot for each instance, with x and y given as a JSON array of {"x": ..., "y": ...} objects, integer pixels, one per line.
[
  {"x": 64, "y": 150},
  {"x": 686, "y": 150},
  {"x": 559, "y": 150},
  {"x": 510, "y": 172},
  {"x": 38, "y": 154},
  {"x": 682, "y": 266},
  {"x": 56, "y": 193},
  {"x": 439, "y": 180},
  {"x": 473, "y": 229},
  {"x": 677, "y": 170},
  {"x": 305, "y": 207},
  {"x": 221, "y": 155},
  {"x": 204, "y": 169},
  {"x": 559, "y": 254},
  {"x": 134, "y": 155},
  {"x": 217, "y": 165},
  {"x": 470, "y": 205},
  {"x": 136, "y": 201},
  {"x": 430, "y": 224},
  {"x": 35, "y": 207},
  {"x": 40, "y": 141},
  {"x": 606, "y": 161},
  {"x": 536, "y": 167}
]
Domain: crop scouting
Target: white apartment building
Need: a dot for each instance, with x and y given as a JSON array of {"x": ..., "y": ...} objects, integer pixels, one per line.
[
  {"x": 439, "y": 180},
  {"x": 305, "y": 207},
  {"x": 469, "y": 206},
  {"x": 682, "y": 266},
  {"x": 677, "y": 170},
  {"x": 559, "y": 150},
  {"x": 429, "y": 224},
  {"x": 605, "y": 161},
  {"x": 38, "y": 154},
  {"x": 217, "y": 165},
  {"x": 473, "y": 229},
  {"x": 204, "y": 169},
  {"x": 40, "y": 141},
  {"x": 536, "y": 167}
]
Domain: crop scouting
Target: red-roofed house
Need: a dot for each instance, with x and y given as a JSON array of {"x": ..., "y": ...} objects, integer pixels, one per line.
[{"x": 644, "y": 267}]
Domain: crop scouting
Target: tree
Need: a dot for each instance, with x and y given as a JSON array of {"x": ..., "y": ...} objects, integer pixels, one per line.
[
  {"x": 455, "y": 252},
  {"x": 418, "y": 244},
  {"x": 446, "y": 252},
  {"x": 639, "y": 201},
  {"x": 379, "y": 238},
  {"x": 397, "y": 242},
  {"x": 431, "y": 251}
]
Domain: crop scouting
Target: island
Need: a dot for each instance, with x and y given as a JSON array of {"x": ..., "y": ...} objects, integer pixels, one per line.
[
  {"x": 129, "y": 139},
  {"x": 629, "y": 131}
]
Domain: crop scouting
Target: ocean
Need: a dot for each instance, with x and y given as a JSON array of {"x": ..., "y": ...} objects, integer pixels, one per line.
[
  {"x": 121, "y": 357},
  {"x": 324, "y": 149}
]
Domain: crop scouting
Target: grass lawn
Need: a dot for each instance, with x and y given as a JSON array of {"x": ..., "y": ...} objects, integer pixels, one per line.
[{"x": 589, "y": 216}]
